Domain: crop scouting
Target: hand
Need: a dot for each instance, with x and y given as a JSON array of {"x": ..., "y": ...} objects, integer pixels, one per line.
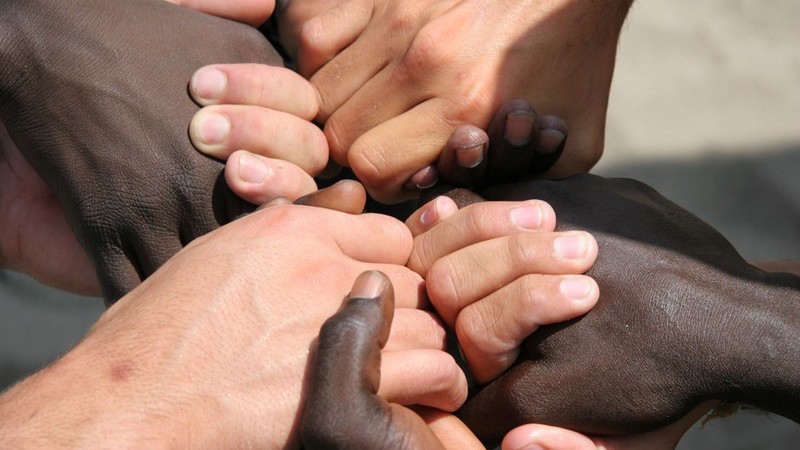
[
  {"x": 554, "y": 438},
  {"x": 344, "y": 409},
  {"x": 213, "y": 347},
  {"x": 405, "y": 74},
  {"x": 35, "y": 237},
  {"x": 342, "y": 404},
  {"x": 680, "y": 320},
  {"x": 496, "y": 272},
  {"x": 278, "y": 126},
  {"x": 134, "y": 189},
  {"x": 252, "y": 12}
]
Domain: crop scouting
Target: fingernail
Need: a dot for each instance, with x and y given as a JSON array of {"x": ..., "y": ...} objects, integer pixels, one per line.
[
  {"x": 431, "y": 214},
  {"x": 571, "y": 246},
  {"x": 469, "y": 157},
  {"x": 424, "y": 179},
  {"x": 549, "y": 141},
  {"x": 528, "y": 216},
  {"x": 521, "y": 441},
  {"x": 369, "y": 284},
  {"x": 209, "y": 83},
  {"x": 212, "y": 128},
  {"x": 252, "y": 169},
  {"x": 576, "y": 288},
  {"x": 519, "y": 127}
]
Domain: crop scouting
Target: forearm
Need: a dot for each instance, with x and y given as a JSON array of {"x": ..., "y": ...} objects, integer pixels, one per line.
[
  {"x": 764, "y": 348},
  {"x": 87, "y": 401}
]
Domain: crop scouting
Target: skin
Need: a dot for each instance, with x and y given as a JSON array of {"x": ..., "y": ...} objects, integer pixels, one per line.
[
  {"x": 668, "y": 267},
  {"x": 348, "y": 355},
  {"x": 135, "y": 177},
  {"x": 360, "y": 50},
  {"x": 149, "y": 209},
  {"x": 278, "y": 126},
  {"x": 618, "y": 350},
  {"x": 202, "y": 354}
]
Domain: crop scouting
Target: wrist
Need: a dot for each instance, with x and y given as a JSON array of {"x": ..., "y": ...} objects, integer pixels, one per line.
[{"x": 759, "y": 361}]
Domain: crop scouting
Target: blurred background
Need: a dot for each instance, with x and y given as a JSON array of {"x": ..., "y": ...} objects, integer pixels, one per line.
[{"x": 705, "y": 107}]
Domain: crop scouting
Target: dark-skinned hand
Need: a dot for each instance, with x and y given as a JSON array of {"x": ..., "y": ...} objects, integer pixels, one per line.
[
  {"x": 94, "y": 93},
  {"x": 681, "y": 319}
]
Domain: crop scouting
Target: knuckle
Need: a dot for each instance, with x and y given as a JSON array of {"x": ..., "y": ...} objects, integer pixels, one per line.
[
  {"x": 477, "y": 329},
  {"x": 428, "y": 51},
  {"x": 369, "y": 164},
  {"x": 345, "y": 327},
  {"x": 446, "y": 378},
  {"x": 335, "y": 135},
  {"x": 521, "y": 249},
  {"x": 311, "y": 38},
  {"x": 443, "y": 288}
]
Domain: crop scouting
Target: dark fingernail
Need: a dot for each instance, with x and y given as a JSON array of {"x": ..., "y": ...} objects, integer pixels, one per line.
[
  {"x": 550, "y": 141},
  {"x": 369, "y": 284},
  {"x": 469, "y": 157},
  {"x": 519, "y": 127},
  {"x": 424, "y": 179}
]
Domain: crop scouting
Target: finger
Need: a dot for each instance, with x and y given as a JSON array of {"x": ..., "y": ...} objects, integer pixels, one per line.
[
  {"x": 117, "y": 272},
  {"x": 452, "y": 282},
  {"x": 347, "y": 196},
  {"x": 220, "y": 130},
  {"x": 277, "y": 201},
  {"x": 476, "y": 223},
  {"x": 271, "y": 87},
  {"x": 387, "y": 155},
  {"x": 352, "y": 106},
  {"x": 512, "y": 133},
  {"x": 463, "y": 160},
  {"x": 415, "y": 329},
  {"x": 368, "y": 238},
  {"x": 252, "y": 12},
  {"x": 425, "y": 178},
  {"x": 430, "y": 214},
  {"x": 450, "y": 430},
  {"x": 423, "y": 377},
  {"x": 546, "y": 438},
  {"x": 409, "y": 287},
  {"x": 152, "y": 250},
  {"x": 257, "y": 179},
  {"x": 343, "y": 386},
  {"x": 491, "y": 330},
  {"x": 550, "y": 144},
  {"x": 374, "y": 238},
  {"x": 324, "y": 36}
]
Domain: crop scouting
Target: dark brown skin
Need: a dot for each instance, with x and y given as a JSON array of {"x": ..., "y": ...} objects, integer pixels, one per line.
[
  {"x": 682, "y": 318},
  {"x": 94, "y": 94},
  {"x": 343, "y": 410}
]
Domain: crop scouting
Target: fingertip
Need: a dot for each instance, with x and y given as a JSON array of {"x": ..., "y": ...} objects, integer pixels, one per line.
[
  {"x": 208, "y": 131},
  {"x": 544, "y": 437},
  {"x": 552, "y": 135},
  {"x": 208, "y": 85}
]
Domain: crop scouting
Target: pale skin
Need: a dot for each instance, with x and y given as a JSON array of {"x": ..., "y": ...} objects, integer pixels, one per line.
[
  {"x": 445, "y": 66},
  {"x": 385, "y": 75},
  {"x": 226, "y": 340}
]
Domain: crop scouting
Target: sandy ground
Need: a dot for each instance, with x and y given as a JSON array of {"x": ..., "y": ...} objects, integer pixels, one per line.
[{"x": 705, "y": 107}]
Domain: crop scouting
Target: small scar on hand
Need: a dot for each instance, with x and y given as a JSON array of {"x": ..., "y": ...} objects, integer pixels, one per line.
[{"x": 121, "y": 371}]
